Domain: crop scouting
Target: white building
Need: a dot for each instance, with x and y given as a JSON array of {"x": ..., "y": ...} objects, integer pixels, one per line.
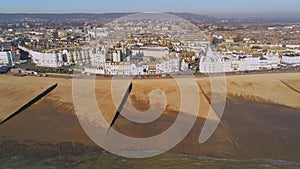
[
  {"x": 94, "y": 70},
  {"x": 251, "y": 63},
  {"x": 98, "y": 32},
  {"x": 127, "y": 69},
  {"x": 168, "y": 66},
  {"x": 215, "y": 63},
  {"x": 156, "y": 52},
  {"x": 293, "y": 46},
  {"x": 4, "y": 58},
  {"x": 80, "y": 56},
  {"x": 117, "y": 56},
  {"x": 118, "y": 69},
  {"x": 184, "y": 65},
  {"x": 290, "y": 59},
  {"x": 8, "y": 58},
  {"x": 46, "y": 59},
  {"x": 98, "y": 59},
  {"x": 270, "y": 61}
]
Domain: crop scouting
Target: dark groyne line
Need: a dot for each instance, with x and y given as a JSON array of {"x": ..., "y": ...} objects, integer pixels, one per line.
[
  {"x": 289, "y": 86},
  {"x": 235, "y": 143},
  {"x": 29, "y": 104},
  {"x": 120, "y": 108}
]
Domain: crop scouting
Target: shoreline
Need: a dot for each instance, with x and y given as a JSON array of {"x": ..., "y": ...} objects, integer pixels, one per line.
[
  {"x": 75, "y": 149},
  {"x": 260, "y": 114}
]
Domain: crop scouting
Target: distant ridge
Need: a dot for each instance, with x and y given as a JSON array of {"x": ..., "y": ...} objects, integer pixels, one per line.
[
  {"x": 192, "y": 16},
  {"x": 61, "y": 16},
  {"x": 184, "y": 15},
  {"x": 65, "y": 16}
]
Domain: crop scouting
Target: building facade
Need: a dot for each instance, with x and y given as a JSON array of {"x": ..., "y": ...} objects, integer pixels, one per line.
[{"x": 8, "y": 58}]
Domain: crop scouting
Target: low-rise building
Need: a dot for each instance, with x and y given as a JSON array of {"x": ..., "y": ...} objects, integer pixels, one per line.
[
  {"x": 168, "y": 66},
  {"x": 290, "y": 59},
  {"x": 156, "y": 52}
]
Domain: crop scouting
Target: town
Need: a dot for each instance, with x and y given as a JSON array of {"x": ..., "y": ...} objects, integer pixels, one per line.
[{"x": 153, "y": 44}]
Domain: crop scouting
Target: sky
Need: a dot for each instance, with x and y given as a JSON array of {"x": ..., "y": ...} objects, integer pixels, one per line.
[{"x": 208, "y": 7}]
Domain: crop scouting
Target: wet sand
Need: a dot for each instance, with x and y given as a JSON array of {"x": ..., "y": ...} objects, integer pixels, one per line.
[{"x": 261, "y": 114}]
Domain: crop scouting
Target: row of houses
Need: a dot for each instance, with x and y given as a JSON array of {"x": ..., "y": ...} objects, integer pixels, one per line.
[
  {"x": 98, "y": 64},
  {"x": 129, "y": 69},
  {"x": 215, "y": 62},
  {"x": 219, "y": 63},
  {"x": 80, "y": 56},
  {"x": 45, "y": 59}
]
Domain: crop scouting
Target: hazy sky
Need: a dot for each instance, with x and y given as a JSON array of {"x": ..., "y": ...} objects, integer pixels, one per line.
[{"x": 211, "y": 7}]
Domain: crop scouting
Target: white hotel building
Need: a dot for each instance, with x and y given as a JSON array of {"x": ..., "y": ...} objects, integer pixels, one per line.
[
  {"x": 45, "y": 59},
  {"x": 81, "y": 56},
  {"x": 8, "y": 58},
  {"x": 216, "y": 63}
]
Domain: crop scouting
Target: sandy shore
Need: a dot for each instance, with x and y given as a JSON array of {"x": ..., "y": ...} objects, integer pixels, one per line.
[
  {"x": 261, "y": 114},
  {"x": 263, "y": 87}
]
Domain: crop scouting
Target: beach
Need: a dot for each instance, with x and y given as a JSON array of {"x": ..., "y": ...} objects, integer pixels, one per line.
[{"x": 261, "y": 119}]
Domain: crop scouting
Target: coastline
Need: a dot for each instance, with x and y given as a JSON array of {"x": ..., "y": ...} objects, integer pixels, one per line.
[{"x": 261, "y": 116}]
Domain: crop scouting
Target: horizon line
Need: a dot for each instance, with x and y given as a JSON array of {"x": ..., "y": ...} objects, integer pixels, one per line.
[{"x": 233, "y": 15}]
